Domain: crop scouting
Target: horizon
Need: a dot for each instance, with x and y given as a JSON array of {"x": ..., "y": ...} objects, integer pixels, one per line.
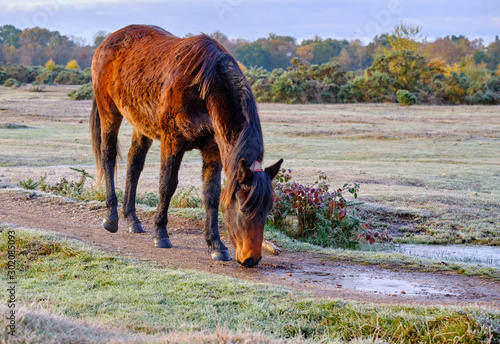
[{"x": 237, "y": 19}]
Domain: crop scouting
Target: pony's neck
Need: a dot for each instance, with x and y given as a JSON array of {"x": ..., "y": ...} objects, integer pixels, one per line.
[
  {"x": 237, "y": 129},
  {"x": 236, "y": 123},
  {"x": 240, "y": 138}
]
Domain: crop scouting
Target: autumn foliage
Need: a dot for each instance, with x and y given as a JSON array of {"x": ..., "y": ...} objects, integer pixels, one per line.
[
  {"x": 316, "y": 214},
  {"x": 449, "y": 70}
]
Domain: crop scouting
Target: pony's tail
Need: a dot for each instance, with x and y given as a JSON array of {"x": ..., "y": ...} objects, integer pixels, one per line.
[{"x": 95, "y": 136}]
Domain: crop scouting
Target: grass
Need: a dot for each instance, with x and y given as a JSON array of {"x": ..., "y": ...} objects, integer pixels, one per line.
[
  {"x": 64, "y": 282},
  {"x": 40, "y": 326},
  {"x": 436, "y": 163}
]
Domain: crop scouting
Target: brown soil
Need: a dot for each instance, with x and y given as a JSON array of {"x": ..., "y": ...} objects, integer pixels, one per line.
[{"x": 314, "y": 273}]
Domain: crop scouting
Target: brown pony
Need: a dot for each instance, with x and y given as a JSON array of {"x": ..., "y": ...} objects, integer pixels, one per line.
[{"x": 188, "y": 93}]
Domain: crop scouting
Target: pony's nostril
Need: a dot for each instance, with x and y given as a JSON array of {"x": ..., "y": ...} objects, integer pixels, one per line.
[{"x": 249, "y": 262}]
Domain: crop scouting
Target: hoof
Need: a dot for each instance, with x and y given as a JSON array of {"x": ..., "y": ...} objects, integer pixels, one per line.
[
  {"x": 221, "y": 255},
  {"x": 162, "y": 243},
  {"x": 136, "y": 228},
  {"x": 110, "y": 226}
]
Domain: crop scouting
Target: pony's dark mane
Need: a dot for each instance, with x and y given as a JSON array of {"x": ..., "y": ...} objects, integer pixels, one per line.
[
  {"x": 207, "y": 62},
  {"x": 260, "y": 192},
  {"x": 199, "y": 57},
  {"x": 249, "y": 144}
]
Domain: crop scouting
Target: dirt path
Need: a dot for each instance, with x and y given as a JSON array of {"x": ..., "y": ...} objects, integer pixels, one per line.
[{"x": 301, "y": 271}]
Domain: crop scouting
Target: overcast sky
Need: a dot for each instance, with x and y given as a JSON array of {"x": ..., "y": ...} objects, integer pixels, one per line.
[{"x": 251, "y": 19}]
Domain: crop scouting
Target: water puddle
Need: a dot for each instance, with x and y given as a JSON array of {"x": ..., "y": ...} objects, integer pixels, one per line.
[
  {"x": 390, "y": 286},
  {"x": 378, "y": 282},
  {"x": 483, "y": 255}
]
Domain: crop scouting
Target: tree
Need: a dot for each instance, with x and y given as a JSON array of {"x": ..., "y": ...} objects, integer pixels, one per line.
[
  {"x": 281, "y": 49},
  {"x": 336, "y": 45},
  {"x": 9, "y": 35},
  {"x": 305, "y": 52},
  {"x": 451, "y": 49},
  {"x": 493, "y": 54},
  {"x": 35, "y": 35},
  {"x": 219, "y": 37},
  {"x": 354, "y": 56},
  {"x": 254, "y": 55},
  {"x": 404, "y": 37},
  {"x": 72, "y": 65},
  {"x": 99, "y": 37},
  {"x": 406, "y": 67},
  {"x": 50, "y": 65},
  {"x": 322, "y": 52}
]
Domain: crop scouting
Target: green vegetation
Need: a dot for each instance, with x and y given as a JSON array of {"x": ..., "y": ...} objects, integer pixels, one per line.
[
  {"x": 20, "y": 74},
  {"x": 404, "y": 76},
  {"x": 29, "y": 184},
  {"x": 451, "y": 70},
  {"x": 84, "y": 285},
  {"x": 315, "y": 214},
  {"x": 405, "y": 97},
  {"x": 86, "y": 91},
  {"x": 10, "y": 82},
  {"x": 184, "y": 197}
]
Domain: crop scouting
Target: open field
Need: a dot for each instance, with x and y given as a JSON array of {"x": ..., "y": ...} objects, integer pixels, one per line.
[{"x": 428, "y": 173}]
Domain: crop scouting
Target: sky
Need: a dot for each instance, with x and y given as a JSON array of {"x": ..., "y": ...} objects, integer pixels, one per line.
[{"x": 252, "y": 19}]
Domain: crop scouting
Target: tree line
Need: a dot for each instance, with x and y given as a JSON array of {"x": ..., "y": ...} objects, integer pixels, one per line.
[{"x": 397, "y": 66}]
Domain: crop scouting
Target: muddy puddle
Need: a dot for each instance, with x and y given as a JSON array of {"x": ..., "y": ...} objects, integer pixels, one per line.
[
  {"x": 332, "y": 277},
  {"x": 374, "y": 280},
  {"x": 483, "y": 255}
]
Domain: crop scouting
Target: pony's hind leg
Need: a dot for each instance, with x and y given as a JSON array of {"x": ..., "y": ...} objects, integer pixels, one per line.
[
  {"x": 172, "y": 153},
  {"x": 110, "y": 126},
  {"x": 135, "y": 164},
  {"x": 211, "y": 173}
]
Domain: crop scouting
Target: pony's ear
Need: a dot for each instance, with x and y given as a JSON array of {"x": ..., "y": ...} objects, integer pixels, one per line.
[
  {"x": 244, "y": 174},
  {"x": 273, "y": 170}
]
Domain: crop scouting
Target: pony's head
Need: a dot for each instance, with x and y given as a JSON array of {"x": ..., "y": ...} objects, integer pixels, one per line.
[{"x": 245, "y": 214}]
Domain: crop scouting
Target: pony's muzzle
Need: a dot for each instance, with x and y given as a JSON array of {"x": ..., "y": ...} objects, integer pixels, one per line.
[{"x": 249, "y": 262}]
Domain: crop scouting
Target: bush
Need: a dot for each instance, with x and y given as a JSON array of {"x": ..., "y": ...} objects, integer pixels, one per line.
[
  {"x": 406, "y": 97},
  {"x": 83, "y": 92},
  {"x": 73, "y": 64},
  {"x": 316, "y": 215},
  {"x": 68, "y": 77},
  {"x": 452, "y": 89},
  {"x": 186, "y": 197},
  {"x": 46, "y": 76},
  {"x": 23, "y": 74},
  {"x": 493, "y": 84},
  {"x": 483, "y": 98},
  {"x": 3, "y": 77},
  {"x": 86, "y": 76},
  {"x": 36, "y": 87},
  {"x": 284, "y": 89},
  {"x": 11, "y": 82},
  {"x": 50, "y": 65},
  {"x": 301, "y": 83}
]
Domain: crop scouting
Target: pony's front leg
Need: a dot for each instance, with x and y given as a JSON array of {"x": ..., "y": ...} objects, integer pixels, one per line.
[
  {"x": 135, "y": 164},
  {"x": 211, "y": 172},
  {"x": 171, "y": 157}
]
